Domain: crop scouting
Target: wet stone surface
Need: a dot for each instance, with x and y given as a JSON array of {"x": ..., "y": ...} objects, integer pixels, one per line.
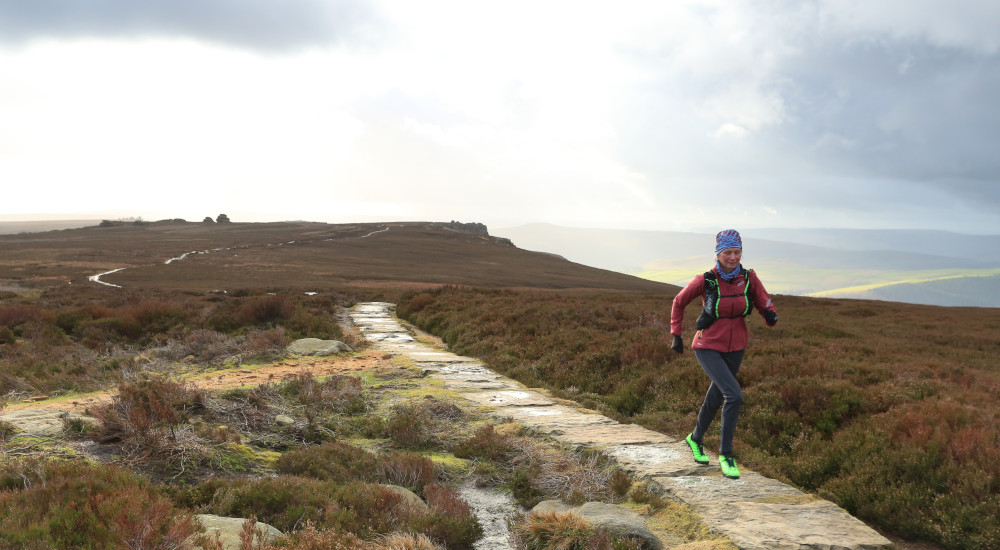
[
  {"x": 509, "y": 398},
  {"x": 657, "y": 460}
]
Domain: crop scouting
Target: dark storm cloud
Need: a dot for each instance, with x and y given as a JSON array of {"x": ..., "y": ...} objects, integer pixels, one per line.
[{"x": 257, "y": 24}]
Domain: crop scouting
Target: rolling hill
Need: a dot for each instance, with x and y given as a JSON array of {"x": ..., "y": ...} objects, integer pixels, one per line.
[{"x": 200, "y": 257}]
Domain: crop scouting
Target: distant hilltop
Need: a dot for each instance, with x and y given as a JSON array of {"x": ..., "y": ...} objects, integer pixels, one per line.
[
  {"x": 472, "y": 228},
  {"x": 40, "y": 226}
]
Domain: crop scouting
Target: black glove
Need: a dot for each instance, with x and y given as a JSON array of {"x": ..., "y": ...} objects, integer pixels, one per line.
[
  {"x": 678, "y": 344},
  {"x": 770, "y": 317}
]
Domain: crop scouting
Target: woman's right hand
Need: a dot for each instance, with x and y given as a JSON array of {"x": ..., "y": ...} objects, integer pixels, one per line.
[{"x": 678, "y": 344}]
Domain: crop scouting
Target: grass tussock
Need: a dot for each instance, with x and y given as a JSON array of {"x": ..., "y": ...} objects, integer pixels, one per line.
[
  {"x": 543, "y": 531},
  {"x": 888, "y": 412},
  {"x": 533, "y": 472}
]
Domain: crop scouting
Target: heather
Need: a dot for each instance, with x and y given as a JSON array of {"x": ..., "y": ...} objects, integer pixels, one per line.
[
  {"x": 889, "y": 410},
  {"x": 163, "y": 449},
  {"x": 82, "y": 339}
]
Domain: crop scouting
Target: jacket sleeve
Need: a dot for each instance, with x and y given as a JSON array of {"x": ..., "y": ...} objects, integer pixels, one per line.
[
  {"x": 694, "y": 289},
  {"x": 761, "y": 300}
]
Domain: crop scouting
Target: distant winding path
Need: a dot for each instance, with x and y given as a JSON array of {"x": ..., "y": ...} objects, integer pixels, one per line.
[{"x": 97, "y": 278}]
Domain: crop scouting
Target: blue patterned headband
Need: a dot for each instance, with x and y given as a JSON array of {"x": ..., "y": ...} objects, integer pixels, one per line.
[{"x": 728, "y": 238}]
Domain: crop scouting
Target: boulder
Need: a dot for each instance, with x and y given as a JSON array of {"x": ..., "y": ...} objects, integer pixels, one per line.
[
  {"x": 317, "y": 347},
  {"x": 44, "y": 422},
  {"x": 229, "y": 530},
  {"x": 409, "y": 499},
  {"x": 284, "y": 420},
  {"x": 616, "y": 519}
]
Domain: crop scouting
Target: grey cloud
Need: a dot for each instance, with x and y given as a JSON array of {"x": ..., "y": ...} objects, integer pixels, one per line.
[
  {"x": 897, "y": 112},
  {"x": 257, "y": 24},
  {"x": 855, "y": 110}
]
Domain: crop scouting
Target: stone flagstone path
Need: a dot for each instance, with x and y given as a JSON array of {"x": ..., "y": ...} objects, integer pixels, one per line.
[{"x": 754, "y": 512}]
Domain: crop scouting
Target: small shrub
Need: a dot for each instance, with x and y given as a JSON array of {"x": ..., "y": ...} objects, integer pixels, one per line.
[
  {"x": 451, "y": 521},
  {"x": 282, "y": 502},
  {"x": 487, "y": 444},
  {"x": 525, "y": 492},
  {"x": 69, "y": 504},
  {"x": 620, "y": 483},
  {"x": 644, "y": 494},
  {"x": 265, "y": 344},
  {"x": 14, "y": 315},
  {"x": 411, "y": 426},
  {"x": 321, "y": 325},
  {"x": 264, "y": 310},
  {"x": 156, "y": 315},
  {"x": 408, "y": 541},
  {"x": 7, "y": 335},
  {"x": 310, "y": 538},
  {"x": 337, "y": 393},
  {"x": 206, "y": 345},
  {"x": 339, "y": 462},
  {"x": 144, "y": 416},
  {"x": 369, "y": 510},
  {"x": 407, "y": 469}
]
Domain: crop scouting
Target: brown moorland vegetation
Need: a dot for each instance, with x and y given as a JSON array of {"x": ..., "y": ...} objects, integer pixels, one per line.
[
  {"x": 289, "y": 255},
  {"x": 890, "y": 410}
]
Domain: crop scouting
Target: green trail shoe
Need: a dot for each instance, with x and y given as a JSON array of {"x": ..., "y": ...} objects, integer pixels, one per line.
[
  {"x": 729, "y": 468},
  {"x": 699, "y": 455}
]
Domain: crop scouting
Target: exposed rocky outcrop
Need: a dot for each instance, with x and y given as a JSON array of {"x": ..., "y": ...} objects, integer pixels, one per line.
[{"x": 472, "y": 228}]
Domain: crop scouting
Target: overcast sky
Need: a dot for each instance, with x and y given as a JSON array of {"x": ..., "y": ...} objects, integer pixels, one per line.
[{"x": 630, "y": 114}]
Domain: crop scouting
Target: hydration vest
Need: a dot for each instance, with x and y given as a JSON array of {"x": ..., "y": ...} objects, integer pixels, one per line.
[{"x": 710, "y": 313}]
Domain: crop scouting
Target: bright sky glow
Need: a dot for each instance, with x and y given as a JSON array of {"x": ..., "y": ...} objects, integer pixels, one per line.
[{"x": 636, "y": 114}]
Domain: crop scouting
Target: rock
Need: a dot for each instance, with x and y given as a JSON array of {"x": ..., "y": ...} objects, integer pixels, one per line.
[
  {"x": 45, "y": 422},
  {"x": 229, "y": 530},
  {"x": 284, "y": 420},
  {"x": 317, "y": 347},
  {"x": 410, "y": 499},
  {"x": 616, "y": 519}
]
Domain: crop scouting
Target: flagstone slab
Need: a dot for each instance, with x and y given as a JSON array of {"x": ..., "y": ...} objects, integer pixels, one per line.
[
  {"x": 476, "y": 384},
  {"x": 601, "y": 436},
  {"x": 510, "y": 398},
  {"x": 657, "y": 460},
  {"x": 437, "y": 357},
  {"x": 815, "y": 525},
  {"x": 716, "y": 489},
  {"x": 553, "y": 419}
]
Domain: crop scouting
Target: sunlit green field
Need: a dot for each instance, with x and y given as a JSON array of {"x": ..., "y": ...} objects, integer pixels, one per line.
[{"x": 790, "y": 278}]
